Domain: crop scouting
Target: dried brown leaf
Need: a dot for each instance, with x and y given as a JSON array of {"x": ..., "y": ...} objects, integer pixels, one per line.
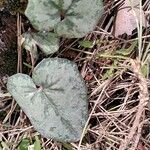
[{"x": 126, "y": 17}]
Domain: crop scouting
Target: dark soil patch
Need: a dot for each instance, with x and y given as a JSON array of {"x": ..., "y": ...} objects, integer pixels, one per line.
[{"x": 8, "y": 43}]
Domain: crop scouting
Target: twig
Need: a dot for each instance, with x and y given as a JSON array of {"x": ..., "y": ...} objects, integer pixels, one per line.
[{"x": 19, "y": 66}]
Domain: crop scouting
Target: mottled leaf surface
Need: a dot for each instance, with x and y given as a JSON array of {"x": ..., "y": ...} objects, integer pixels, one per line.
[
  {"x": 48, "y": 42},
  {"x": 81, "y": 18},
  {"x": 69, "y": 18},
  {"x": 30, "y": 44},
  {"x": 54, "y": 99},
  {"x": 43, "y": 14}
]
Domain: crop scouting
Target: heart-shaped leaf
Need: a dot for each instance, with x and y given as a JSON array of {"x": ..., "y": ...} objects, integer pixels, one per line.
[
  {"x": 80, "y": 19},
  {"x": 54, "y": 99},
  {"x": 43, "y": 14},
  {"x": 69, "y": 18},
  {"x": 48, "y": 42}
]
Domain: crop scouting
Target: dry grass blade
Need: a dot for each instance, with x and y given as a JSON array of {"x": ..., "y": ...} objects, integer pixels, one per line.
[
  {"x": 132, "y": 140},
  {"x": 19, "y": 22},
  {"x": 92, "y": 111}
]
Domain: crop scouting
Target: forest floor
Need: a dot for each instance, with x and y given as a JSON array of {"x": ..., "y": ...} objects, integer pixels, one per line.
[{"x": 116, "y": 72}]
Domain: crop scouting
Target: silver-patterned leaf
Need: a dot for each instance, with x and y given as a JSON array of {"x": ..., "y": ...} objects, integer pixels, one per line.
[
  {"x": 81, "y": 18},
  {"x": 43, "y": 14},
  {"x": 55, "y": 99},
  {"x": 30, "y": 44},
  {"x": 48, "y": 42},
  {"x": 69, "y": 18},
  {"x": 66, "y": 4}
]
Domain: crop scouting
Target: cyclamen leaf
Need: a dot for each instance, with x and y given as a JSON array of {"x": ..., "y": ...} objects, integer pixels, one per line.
[
  {"x": 66, "y": 4},
  {"x": 55, "y": 99},
  {"x": 43, "y": 14},
  {"x": 68, "y": 18},
  {"x": 48, "y": 42},
  {"x": 29, "y": 44},
  {"x": 81, "y": 18}
]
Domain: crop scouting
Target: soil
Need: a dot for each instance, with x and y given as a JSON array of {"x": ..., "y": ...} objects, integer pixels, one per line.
[
  {"x": 8, "y": 43},
  {"x": 8, "y": 34}
]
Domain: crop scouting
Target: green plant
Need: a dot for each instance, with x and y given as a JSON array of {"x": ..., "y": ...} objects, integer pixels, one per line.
[
  {"x": 55, "y": 98},
  {"x": 68, "y": 18},
  {"x": 24, "y": 144},
  {"x": 59, "y": 18}
]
